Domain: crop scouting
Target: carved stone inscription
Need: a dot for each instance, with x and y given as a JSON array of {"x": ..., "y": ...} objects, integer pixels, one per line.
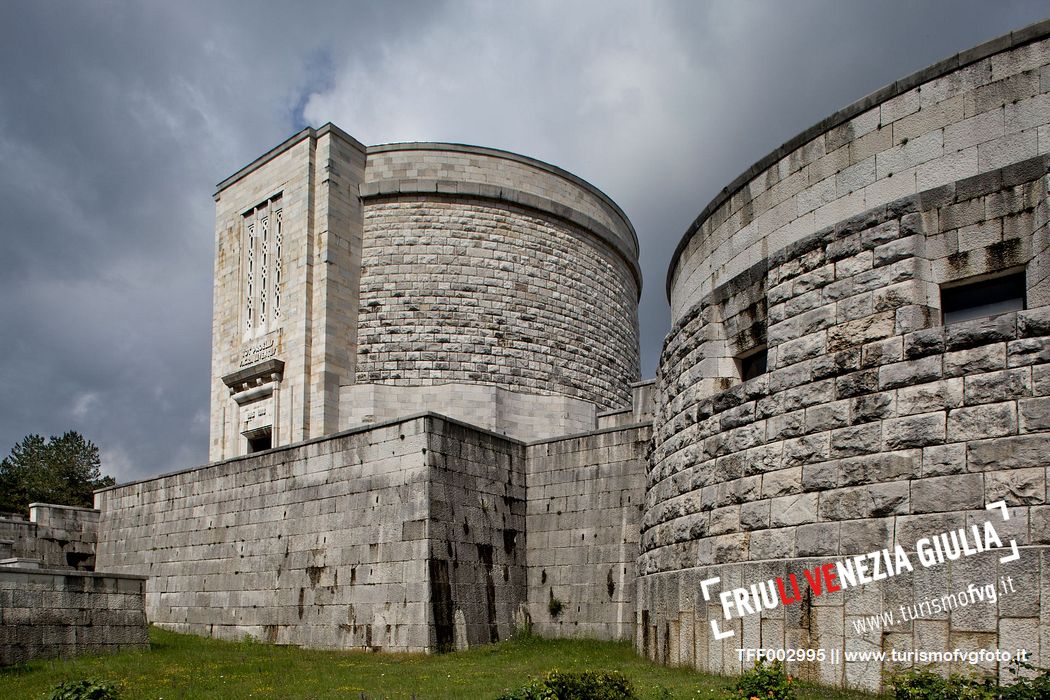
[{"x": 258, "y": 350}]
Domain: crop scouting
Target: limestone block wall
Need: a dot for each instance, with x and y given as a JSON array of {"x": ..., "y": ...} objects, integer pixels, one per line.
[
  {"x": 403, "y": 536},
  {"x": 59, "y": 536},
  {"x": 470, "y": 290},
  {"x": 318, "y": 544},
  {"x": 872, "y": 422},
  {"x": 584, "y": 503},
  {"x": 674, "y": 626},
  {"x": 477, "y": 534},
  {"x": 59, "y": 614},
  {"x": 874, "y": 426},
  {"x": 973, "y": 113}
]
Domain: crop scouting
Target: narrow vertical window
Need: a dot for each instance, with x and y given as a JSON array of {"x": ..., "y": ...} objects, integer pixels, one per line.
[
  {"x": 264, "y": 244},
  {"x": 263, "y": 267},
  {"x": 249, "y": 278},
  {"x": 278, "y": 240}
]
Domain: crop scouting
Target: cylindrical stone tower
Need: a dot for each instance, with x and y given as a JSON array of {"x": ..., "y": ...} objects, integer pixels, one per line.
[
  {"x": 860, "y": 361},
  {"x": 493, "y": 286}
]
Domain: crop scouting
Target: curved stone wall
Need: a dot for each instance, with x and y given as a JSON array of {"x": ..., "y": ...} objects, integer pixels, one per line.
[
  {"x": 873, "y": 423},
  {"x": 480, "y": 267},
  {"x": 970, "y": 114}
]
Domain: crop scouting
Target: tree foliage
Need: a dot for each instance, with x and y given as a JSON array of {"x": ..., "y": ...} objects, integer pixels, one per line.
[{"x": 62, "y": 470}]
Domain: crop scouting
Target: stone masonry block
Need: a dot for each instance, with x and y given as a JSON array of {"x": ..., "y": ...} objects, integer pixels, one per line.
[
  {"x": 793, "y": 510},
  {"x": 873, "y": 501},
  {"x": 947, "y": 493},
  {"x": 985, "y": 421},
  {"x": 998, "y": 386},
  {"x": 914, "y": 431}
]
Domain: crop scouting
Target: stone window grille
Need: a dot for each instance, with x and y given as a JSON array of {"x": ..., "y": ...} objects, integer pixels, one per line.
[
  {"x": 278, "y": 242},
  {"x": 263, "y": 243}
]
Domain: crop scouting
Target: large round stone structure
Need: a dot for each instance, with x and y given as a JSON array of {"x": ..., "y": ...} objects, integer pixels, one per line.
[
  {"x": 357, "y": 284},
  {"x": 859, "y": 361}
]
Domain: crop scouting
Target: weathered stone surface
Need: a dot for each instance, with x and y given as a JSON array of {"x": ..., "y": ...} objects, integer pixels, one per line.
[
  {"x": 988, "y": 420},
  {"x": 793, "y": 510},
  {"x": 1028, "y": 351},
  {"x": 51, "y": 613},
  {"x": 873, "y": 407},
  {"x": 938, "y": 494},
  {"x": 1015, "y": 452},
  {"x": 855, "y": 440},
  {"x": 1033, "y": 415},
  {"x": 941, "y": 460},
  {"x": 934, "y": 396},
  {"x": 817, "y": 539},
  {"x": 901, "y": 374},
  {"x": 914, "y": 431},
  {"x": 985, "y": 358},
  {"x": 874, "y": 327},
  {"x": 929, "y": 341},
  {"x": 998, "y": 386},
  {"x": 781, "y": 482},
  {"x": 871, "y": 501},
  {"x": 1017, "y": 487},
  {"x": 981, "y": 331}
]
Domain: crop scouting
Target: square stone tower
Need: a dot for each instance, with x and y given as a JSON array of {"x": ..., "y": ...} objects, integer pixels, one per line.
[{"x": 288, "y": 249}]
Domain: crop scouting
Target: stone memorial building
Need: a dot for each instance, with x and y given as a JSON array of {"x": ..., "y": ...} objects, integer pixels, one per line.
[{"x": 428, "y": 427}]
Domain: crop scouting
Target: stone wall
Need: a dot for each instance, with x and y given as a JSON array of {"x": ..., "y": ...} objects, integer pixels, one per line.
[
  {"x": 674, "y": 624},
  {"x": 49, "y": 614},
  {"x": 317, "y": 544},
  {"x": 873, "y": 426},
  {"x": 339, "y": 269},
  {"x": 872, "y": 423},
  {"x": 584, "y": 502},
  {"x": 477, "y": 534},
  {"x": 404, "y": 536},
  {"x": 975, "y": 112},
  {"x": 58, "y": 536},
  {"x": 471, "y": 290}
]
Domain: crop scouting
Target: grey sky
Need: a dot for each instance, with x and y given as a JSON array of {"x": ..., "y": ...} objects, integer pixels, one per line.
[{"x": 117, "y": 119}]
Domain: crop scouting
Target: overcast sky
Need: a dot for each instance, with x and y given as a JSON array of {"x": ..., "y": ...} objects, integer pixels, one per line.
[{"x": 117, "y": 119}]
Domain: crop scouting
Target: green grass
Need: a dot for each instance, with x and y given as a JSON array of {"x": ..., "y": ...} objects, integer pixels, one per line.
[{"x": 183, "y": 666}]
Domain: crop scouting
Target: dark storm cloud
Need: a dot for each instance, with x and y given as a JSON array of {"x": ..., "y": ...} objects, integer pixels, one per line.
[{"x": 116, "y": 120}]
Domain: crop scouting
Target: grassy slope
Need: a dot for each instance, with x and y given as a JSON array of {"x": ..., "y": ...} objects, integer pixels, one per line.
[{"x": 182, "y": 666}]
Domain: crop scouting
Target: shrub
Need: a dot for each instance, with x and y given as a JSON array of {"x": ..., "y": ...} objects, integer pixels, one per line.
[
  {"x": 924, "y": 684},
  {"x": 1037, "y": 688},
  {"x": 85, "y": 690},
  {"x": 554, "y": 607},
  {"x": 584, "y": 685},
  {"x": 768, "y": 682},
  {"x": 920, "y": 684}
]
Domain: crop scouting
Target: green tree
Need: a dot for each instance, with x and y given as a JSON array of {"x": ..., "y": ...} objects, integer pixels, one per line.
[{"x": 63, "y": 470}]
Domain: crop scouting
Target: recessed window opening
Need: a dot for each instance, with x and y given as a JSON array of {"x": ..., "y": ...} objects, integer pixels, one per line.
[
  {"x": 986, "y": 297},
  {"x": 260, "y": 443},
  {"x": 752, "y": 364}
]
